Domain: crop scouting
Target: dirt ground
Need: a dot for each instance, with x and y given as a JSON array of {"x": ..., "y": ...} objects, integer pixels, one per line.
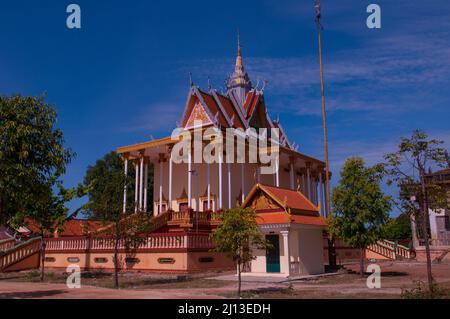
[{"x": 395, "y": 277}]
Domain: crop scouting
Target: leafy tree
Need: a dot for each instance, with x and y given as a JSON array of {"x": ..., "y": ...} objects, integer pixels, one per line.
[
  {"x": 408, "y": 168},
  {"x": 50, "y": 212},
  {"x": 106, "y": 205},
  {"x": 399, "y": 227},
  {"x": 360, "y": 209},
  {"x": 236, "y": 235},
  {"x": 32, "y": 152},
  {"x": 100, "y": 174}
]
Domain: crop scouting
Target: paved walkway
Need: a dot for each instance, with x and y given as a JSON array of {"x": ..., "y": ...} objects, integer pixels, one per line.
[
  {"x": 60, "y": 291},
  {"x": 270, "y": 279}
]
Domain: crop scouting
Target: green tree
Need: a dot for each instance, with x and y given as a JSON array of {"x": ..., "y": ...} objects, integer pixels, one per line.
[
  {"x": 100, "y": 173},
  {"x": 32, "y": 153},
  {"x": 408, "y": 168},
  {"x": 398, "y": 228},
  {"x": 106, "y": 205},
  {"x": 236, "y": 235},
  {"x": 360, "y": 209}
]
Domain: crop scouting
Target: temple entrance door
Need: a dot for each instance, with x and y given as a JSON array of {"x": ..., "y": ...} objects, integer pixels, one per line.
[{"x": 273, "y": 254}]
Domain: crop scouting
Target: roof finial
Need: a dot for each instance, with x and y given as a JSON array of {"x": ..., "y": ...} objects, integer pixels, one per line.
[
  {"x": 238, "y": 44},
  {"x": 190, "y": 79}
]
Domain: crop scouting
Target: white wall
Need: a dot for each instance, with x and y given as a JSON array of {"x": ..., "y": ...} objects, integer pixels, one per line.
[{"x": 310, "y": 251}]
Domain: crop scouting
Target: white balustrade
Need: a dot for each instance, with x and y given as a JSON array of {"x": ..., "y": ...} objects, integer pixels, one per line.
[{"x": 191, "y": 241}]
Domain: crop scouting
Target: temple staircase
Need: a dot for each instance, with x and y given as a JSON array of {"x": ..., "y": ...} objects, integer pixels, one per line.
[
  {"x": 21, "y": 256},
  {"x": 387, "y": 249}
]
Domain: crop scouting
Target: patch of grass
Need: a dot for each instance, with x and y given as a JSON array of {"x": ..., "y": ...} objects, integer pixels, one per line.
[
  {"x": 264, "y": 293},
  {"x": 33, "y": 275},
  {"x": 421, "y": 291}
]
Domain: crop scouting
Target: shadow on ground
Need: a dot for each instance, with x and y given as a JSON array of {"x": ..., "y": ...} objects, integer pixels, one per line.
[{"x": 31, "y": 294}]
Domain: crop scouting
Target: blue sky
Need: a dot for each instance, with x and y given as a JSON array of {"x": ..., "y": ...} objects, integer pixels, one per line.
[{"x": 123, "y": 78}]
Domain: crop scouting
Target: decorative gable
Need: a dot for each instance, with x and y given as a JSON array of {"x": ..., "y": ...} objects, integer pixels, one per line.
[
  {"x": 261, "y": 202},
  {"x": 198, "y": 114}
]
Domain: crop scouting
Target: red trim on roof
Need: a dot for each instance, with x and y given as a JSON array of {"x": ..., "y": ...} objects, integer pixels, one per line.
[{"x": 284, "y": 218}]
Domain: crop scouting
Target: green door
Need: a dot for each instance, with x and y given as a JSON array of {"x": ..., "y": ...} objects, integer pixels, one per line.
[{"x": 273, "y": 254}]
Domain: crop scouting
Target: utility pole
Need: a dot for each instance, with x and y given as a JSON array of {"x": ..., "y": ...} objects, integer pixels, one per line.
[{"x": 331, "y": 250}]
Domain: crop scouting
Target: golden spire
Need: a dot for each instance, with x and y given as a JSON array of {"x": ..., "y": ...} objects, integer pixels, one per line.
[
  {"x": 239, "y": 65},
  {"x": 238, "y": 44}
]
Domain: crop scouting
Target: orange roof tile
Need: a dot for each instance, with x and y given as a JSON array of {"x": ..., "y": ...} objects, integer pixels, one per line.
[
  {"x": 252, "y": 108},
  {"x": 229, "y": 108},
  {"x": 211, "y": 104},
  {"x": 71, "y": 228},
  {"x": 291, "y": 199}
]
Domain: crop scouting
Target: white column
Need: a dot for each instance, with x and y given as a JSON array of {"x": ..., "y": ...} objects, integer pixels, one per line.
[
  {"x": 229, "y": 184},
  {"x": 170, "y": 181},
  {"x": 258, "y": 173},
  {"x": 308, "y": 182},
  {"x": 141, "y": 182},
  {"x": 292, "y": 180},
  {"x": 220, "y": 181},
  {"x": 160, "y": 185},
  {"x": 136, "y": 187},
  {"x": 125, "y": 170},
  {"x": 322, "y": 208},
  {"x": 286, "y": 258},
  {"x": 145, "y": 185},
  {"x": 190, "y": 180},
  {"x": 209, "y": 186},
  {"x": 242, "y": 183},
  {"x": 277, "y": 173}
]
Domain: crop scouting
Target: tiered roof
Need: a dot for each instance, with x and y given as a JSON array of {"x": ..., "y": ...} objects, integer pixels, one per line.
[{"x": 242, "y": 106}]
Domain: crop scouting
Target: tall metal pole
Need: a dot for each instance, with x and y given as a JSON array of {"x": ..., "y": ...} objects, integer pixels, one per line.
[{"x": 331, "y": 254}]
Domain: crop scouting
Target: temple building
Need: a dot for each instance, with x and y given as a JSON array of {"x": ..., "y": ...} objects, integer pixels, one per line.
[
  {"x": 188, "y": 196},
  {"x": 289, "y": 202}
]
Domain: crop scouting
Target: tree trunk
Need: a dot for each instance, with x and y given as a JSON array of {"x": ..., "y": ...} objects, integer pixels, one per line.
[
  {"x": 116, "y": 263},
  {"x": 425, "y": 219},
  {"x": 331, "y": 253},
  {"x": 415, "y": 240},
  {"x": 361, "y": 261},
  {"x": 43, "y": 245},
  {"x": 239, "y": 279}
]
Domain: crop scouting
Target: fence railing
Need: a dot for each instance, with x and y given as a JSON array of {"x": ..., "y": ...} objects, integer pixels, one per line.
[
  {"x": 19, "y": 252},
  {"x": 7, "y": 244},
  {"x": 390, "y": 249},
  {"x": 192, "y": 217},
  {"x": 157, "y": 241}
]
